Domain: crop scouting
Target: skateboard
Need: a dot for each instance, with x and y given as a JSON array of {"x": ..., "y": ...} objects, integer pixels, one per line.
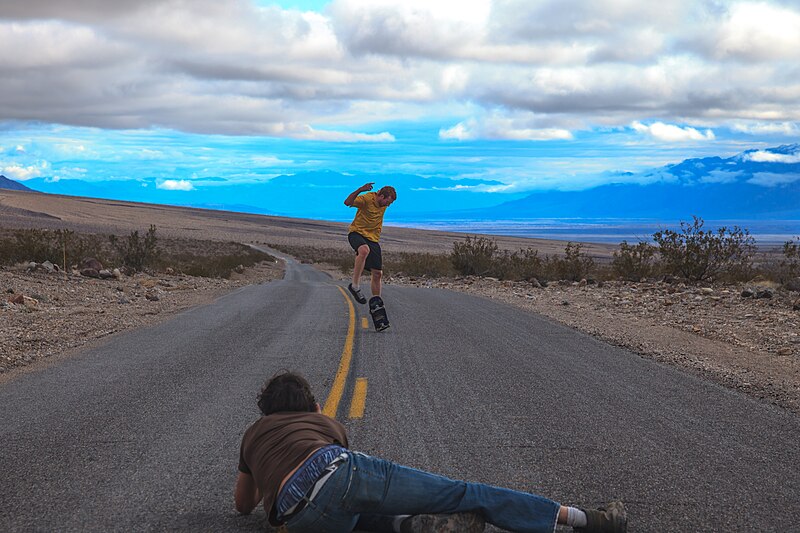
[{"x": 378, "y": 312}]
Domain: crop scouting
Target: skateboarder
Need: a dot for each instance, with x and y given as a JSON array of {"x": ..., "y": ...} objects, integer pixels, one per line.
[
  {"x": 365, "y": 232},
  {"x": 296, "y": 461}
]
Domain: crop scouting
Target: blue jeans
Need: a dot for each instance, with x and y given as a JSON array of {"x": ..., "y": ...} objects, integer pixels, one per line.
[{"x": 366, "y": 493}]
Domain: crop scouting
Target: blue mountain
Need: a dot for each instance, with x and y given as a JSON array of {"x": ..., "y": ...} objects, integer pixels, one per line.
[
  {"x": 6, "y": 183},
  {"x": 310, "y": 194},
  {"x": 753, "y": 185}
]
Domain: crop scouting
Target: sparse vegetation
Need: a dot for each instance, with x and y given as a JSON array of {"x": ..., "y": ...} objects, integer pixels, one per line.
[
  {"x": 698, "y": 255},
  {"x": 135, "y": 252},
  {"x": 67, "y": 248},
  {"x": 633, "y": 262}
]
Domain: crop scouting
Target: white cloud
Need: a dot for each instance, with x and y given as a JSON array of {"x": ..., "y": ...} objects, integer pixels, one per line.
[
  {"x": 175, "y": 185},
  {"x": 23, "y": 173},
  {"x": 762, "y": 156},
  {"x": 771, "y": 179},
  {"x": 672, "y": 133},
  {"x": 20, "y": 149},
  {"x": 759, "y": 31},
  {"x": 503, "y": 128},
  {"x": 768, "y": 128},
  {"x": 720, "y": 176}
]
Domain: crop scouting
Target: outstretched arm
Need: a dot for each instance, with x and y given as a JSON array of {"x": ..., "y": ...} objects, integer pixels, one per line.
[
  {"x": 247, "y": 494},
  {"x": 352, "y": 198}
]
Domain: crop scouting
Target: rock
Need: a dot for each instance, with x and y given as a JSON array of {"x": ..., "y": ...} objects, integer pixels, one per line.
[
  {"x": 152, "y": 296},
  {"x": 49, "y": 267},
  {"x": 117, "y": 274},
  {"x": 30, "y": 303},
  {"x": 748, "y": 293},
  {"x": 123, "y": 300},
  {"x": 792, "y": 285},
  {"x": 706, "y": 290},
  {"x": 764, "y": 293},
  {"x": 91, "y": 263},
  {"x": 10, "y": 290},
  {"x": 785, "y": 351},
  {"x": 583, "y": 283},
  {"x": 17, "y": 300},
  {"x": 90, "y": 273},
  {"x": 535, "y": 283},
  {"x": 32, "y": 266},
  {"x": 796, "y": 306},
  {"x": 170, "y": 271},
  {"x": 105, "y": 274},
  {"x": 564, "y": 302},
  {"x": 239, "y": 269}
]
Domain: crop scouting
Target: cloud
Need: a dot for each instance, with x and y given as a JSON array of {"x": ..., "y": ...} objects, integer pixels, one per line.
[
  {"x": 768, "y": 128},
  {"x": 771, "y": 157},
  {"x": 771, "y": 179},
  {"x": 175, "y": 185},
  {"x": 239, "y": 69},
  {"x": 503, "y": 128},
  {"x": 23, "y": 173},
  {"x": 672, "y": 133}
]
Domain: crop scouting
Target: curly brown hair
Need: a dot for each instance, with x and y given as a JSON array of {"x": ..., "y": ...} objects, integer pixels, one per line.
[{"x": 286, "y": 391}]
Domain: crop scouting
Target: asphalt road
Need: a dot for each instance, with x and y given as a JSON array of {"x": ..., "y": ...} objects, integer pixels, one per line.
[{"x": 142, "y": 433}]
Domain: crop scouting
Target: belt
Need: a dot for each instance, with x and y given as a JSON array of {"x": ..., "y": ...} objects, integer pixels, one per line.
[{"x": 316, "y": 487}]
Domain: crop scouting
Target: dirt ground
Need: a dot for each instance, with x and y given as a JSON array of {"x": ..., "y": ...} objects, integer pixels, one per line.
[{"x": 748, "y": 344}]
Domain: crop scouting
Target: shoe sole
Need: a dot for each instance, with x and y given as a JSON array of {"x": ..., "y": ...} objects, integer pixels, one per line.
[
  {"x": 619, "y": 516},
  {"x": 361, "y": 301},
  {"x": 453, "y": 523}
]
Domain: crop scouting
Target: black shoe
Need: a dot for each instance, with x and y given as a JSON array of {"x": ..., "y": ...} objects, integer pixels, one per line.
[
  {"x": 357, "y": 294},
  {"x": 444, "y": 523},
  {"x": 609, "y": 519}
]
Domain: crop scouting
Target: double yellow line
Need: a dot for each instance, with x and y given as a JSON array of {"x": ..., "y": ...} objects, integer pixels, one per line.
[{"x": 337, "y": 390}]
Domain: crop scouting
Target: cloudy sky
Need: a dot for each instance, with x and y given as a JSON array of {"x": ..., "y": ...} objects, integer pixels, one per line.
[{"x": 514, "y": 95}]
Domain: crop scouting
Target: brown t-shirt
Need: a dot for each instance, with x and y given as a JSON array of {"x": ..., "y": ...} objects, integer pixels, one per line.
[{"x": 276, "y": 444}]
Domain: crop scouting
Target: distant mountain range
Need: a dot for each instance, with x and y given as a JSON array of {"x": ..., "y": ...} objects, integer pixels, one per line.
[
  {"x": 6, "y": 183},
  {"x": 756, "y": 184},
  {"x": 761, "y": 184}
]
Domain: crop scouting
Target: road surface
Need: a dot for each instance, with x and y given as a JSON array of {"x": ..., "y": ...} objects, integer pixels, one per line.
[{"x": 142, "y": 432}]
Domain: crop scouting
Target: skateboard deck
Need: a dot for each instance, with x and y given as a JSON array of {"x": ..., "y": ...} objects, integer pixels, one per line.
[{"x": 378, "y": 312}]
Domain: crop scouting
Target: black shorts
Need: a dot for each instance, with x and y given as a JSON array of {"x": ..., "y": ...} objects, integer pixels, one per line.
[{"x": 374, "y": 259}]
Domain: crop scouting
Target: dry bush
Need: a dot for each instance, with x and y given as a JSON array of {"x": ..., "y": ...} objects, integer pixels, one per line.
[
  {"x": 633, "y": 262},
  {"x": 575, "y": 265},
  {"x": 699, "y": 255},
  {"x": 418, "y": 264},
  {"x": 474, "y": 257}
]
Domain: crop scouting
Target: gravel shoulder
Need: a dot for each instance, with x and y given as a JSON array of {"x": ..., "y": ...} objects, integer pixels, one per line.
[{"x": 57, "y": 314}]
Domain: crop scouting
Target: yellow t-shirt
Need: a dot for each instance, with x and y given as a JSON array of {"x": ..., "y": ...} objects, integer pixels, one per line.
[{"x": 369, "y": 219}]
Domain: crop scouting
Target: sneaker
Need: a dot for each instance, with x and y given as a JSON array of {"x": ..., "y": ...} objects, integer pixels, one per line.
[
  {"x": 357, "y": 294},
  {"x": 443, "y": 523},
  {"x": 609, "y": 519}
]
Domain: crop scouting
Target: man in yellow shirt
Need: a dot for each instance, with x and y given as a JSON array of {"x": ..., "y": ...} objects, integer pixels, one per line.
[{"x": 365, "y": 232}]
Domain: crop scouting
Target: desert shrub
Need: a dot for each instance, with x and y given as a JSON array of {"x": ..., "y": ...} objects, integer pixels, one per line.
[
  {"x": 61, "y": 247},
  {"x": 473, "y": 257},
  {"x": 524, "y": 264},
  {"x": 633, "y": 262},
  {"x": 698, "y": 255},
  {"x": 417, "y": 264},
  {"x": 211, "y": 259},
  {"x": 790, "y": 265},
  {"x": 341, "y": 258},
  {"x": 574, "y": 265},
  {"x": 134, "y": 251}
]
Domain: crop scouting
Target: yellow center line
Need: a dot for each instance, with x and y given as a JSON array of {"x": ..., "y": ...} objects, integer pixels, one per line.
[
  {"x": 335, "y": 396},
  {"x": 359, "y": 398}
]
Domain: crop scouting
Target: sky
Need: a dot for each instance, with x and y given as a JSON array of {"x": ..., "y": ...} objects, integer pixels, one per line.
[{"x": 501, "y": 97}]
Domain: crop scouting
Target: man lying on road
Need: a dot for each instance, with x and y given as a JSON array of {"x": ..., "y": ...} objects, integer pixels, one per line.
[{"x": 296, "y": 460}]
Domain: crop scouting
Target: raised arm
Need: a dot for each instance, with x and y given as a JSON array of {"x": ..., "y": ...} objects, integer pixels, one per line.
[
  {"x": 352, "y": 198},
  {"x": 247, "y": 494}
]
